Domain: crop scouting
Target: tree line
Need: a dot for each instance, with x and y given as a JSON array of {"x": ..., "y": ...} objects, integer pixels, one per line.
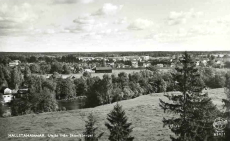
[
  {"x": 98, "y": 91},
  {"x": 193, "y": 110}
]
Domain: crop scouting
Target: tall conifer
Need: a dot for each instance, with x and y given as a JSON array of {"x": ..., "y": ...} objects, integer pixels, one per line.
[
  {"x": 90, "y": 129},
  {"x": 227, "y": 106},
  {"x": 194, "y": 111},
  {"x": 118, "y": 125}
]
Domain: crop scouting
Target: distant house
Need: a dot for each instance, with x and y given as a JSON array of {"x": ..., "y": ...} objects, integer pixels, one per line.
[
  {"x": 7, "y": 98},
  {"x": 146, "y": 58},
  {"x": 197, "y": 63},
  {"x": 219, "y": 64},
  {"x": 6, "y": 94},
  {"x": 143, "y": 64},
  {"x": 23, "y": 90},
  {"x": 111, "y": 64},
  {"x": 88, "y": 70},
  {"x": 160, "y": 65},
  {"x": 172, "y": 65},
  {"x": 103, "y": 70},
  {"x": 14, "y": 63},
  {"x": 5, "y": 90},
  {"x": 134, "y": 64},
  {"x": 205, "y": 62}
]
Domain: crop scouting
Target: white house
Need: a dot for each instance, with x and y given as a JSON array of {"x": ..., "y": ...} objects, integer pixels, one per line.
[
  {"x": 134, "y": 64},
  {"x": 88, "y": 70},
  {"x": 6, "y": 94},
  {"x": 7, "y": 91},
  {"x": 160, "y": 65},
  {"x": 146, "y": 58},
  {"x": 197, "y": 63},
  {"x": 7, "y": 98},
  {"x": 14, "y": 63}
]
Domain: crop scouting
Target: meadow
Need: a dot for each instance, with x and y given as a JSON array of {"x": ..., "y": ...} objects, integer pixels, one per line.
[{"x": 144, "y": 113}]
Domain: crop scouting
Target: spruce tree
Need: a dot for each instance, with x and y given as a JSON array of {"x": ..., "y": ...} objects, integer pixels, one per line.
[
  {"x": 118, "y": 126},
  {"x": 227, "y": 106},
  {"x": 90, "y": 129},
  {"x": 194, "y": 111}
]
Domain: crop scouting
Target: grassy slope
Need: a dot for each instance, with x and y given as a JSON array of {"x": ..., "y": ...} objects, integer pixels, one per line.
[{"x": 143, "y": 112}]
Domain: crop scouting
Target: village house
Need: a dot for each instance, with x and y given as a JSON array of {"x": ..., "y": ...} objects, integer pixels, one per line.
[
  {"x": 14, "y": 63},
  {"x": 160, "y": 65},
  {"x": 144, "y": 64},
  {"x": 6, "y": 94},
  {"x": 111, "y": 64},
  {"x": 88, "y": 70},
  {"x": 134, "y": 64},
  {"x": 204, "y": 62},
  {"x": 219, "y": 64},
  {"x": 145, "y": 58},
  {"x": 197, "y": 63}
]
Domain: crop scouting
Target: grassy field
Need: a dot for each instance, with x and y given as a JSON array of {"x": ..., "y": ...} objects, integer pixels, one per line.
[{"x": 144, "y": 112}]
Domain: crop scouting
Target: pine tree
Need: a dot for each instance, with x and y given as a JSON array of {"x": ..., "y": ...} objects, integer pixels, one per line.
[
  {"x": 194, "y": 111},
  {"x": 90, "y": 129},
  {"x": 227, "y": 105},
  {"x": 118, "y": 126}
]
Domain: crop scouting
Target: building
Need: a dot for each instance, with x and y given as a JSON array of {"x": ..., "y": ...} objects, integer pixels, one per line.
[
  {"x": 6, "y": 94},
  {"x": 23, "y": 90},
  {"x": 197, "y": 63},
  {"x": 160, "y": 65},
  {"x": 103, "y": 70},
  {"x": 144, "y": 64},
  {"x": 145, "y": 58},
  {"x": 88, "y": 70},
  {"x": 7, "y": 98},
  {"x": 134, "y": 64},
  {"x": 5, "y": 90},
  {"x": 14, "y": 63},
  {"x": 205, "y": 62}
]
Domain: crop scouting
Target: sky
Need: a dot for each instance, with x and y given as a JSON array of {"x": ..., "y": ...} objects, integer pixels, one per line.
[{"x": 114, "y": 25}]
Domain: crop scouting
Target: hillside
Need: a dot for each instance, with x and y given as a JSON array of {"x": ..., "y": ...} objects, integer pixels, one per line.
[{"x": 144, "y": 112}]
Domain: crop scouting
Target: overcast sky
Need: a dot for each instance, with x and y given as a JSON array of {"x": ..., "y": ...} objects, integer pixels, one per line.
[{"x": 114, "y": 25}]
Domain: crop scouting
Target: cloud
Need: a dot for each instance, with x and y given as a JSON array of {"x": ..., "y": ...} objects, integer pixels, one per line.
[
  {"x": 108, "y": 9},
  {"x": 85, "y": 19},
  {"x": 86, "y": 23},
  {"x": 17, "y": 17},
  {"x": 72, "y": 1},
  {"x": 140, "y": 24},
  {"x": 175, "y": 18},
  {"x": 181, "y": 35},
  {"x": 215, "y": 27},
  {"x": 102, "y": 34},
  {"x": 212, "y": 27},
  {"x": 120, "y": 21}
]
